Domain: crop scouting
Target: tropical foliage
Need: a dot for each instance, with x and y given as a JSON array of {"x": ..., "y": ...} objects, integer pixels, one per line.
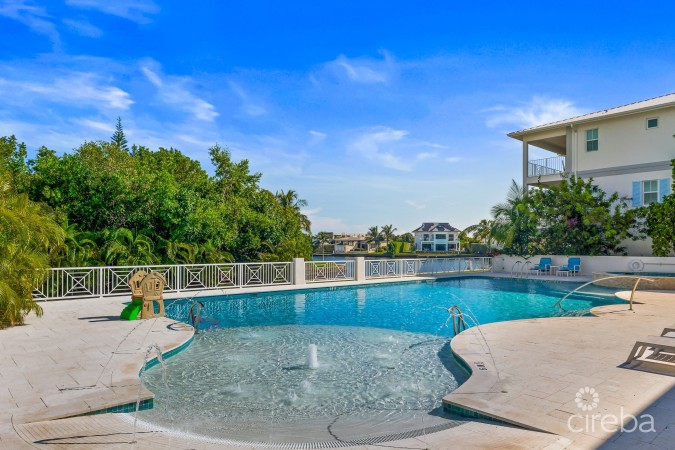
[
  {"x": 571, "y": 218},
  {"x": 577, "y": 218},
  {"x": 659, "y": 221},
  {"x": 374, "y": 236},
  {"x": 28, "y": 235},
  {"x": 127, "y": 206}
]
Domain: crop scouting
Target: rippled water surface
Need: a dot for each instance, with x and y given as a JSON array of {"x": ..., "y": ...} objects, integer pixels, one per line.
[{"x": 383, "y": 354}]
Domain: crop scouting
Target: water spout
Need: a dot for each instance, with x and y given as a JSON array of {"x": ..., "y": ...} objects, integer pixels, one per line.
[{"x": 312, "y": 358}]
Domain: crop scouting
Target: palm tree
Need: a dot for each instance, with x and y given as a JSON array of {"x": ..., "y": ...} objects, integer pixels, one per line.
[
  {"x": 124, "y": 247},
  {"x": 79, "y": 249},
  {"x": 321, "y": 240},
  {"x": 374, "y": 236},
  {"x": 512, "y": 223},
  {"x": 28, "y": 234},
  {"x": 485, "y": 230},
  {"x": 388, "y": 234},
  {"x": 290, "y": 200},
  {"x": 208, "y": 253}
]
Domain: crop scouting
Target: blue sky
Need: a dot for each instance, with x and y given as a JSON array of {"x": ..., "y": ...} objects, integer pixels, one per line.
[{"x": 375, "y": 112}]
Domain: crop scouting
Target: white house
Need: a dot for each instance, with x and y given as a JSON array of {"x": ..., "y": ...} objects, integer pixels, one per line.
[
  {"x": 436, "y": 237},
  {"x": 626, "y": 149}
]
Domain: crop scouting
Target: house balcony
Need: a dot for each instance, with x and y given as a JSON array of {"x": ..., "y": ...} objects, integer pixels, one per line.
[
  {"x": 546, "y": 166},
  {"x": 545, "y": 171}
]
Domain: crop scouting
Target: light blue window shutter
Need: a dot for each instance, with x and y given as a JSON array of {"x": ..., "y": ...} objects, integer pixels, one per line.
[
  {"x": 637, "y": 193},
  {"x": 664, "y": 189}
]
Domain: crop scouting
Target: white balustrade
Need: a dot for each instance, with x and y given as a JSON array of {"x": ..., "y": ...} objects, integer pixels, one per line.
[
  {"x": 66, "y": 283},
  {"x": 82, "y": 282}
]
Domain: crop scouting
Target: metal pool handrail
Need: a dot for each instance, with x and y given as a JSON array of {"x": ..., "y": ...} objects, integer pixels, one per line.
[{"x": 559, "y": 302}]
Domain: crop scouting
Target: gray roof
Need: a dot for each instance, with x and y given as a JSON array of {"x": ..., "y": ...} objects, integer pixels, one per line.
[
  {"x": 435, "y": 226},
  {"x": 663, "y": 101}
]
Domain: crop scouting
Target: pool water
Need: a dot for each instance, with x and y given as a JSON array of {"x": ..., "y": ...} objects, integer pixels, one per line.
[{"x": 384, "y": 361}]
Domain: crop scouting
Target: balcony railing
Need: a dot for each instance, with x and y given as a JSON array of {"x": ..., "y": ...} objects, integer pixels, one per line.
[{"x": 546, "y": 166}]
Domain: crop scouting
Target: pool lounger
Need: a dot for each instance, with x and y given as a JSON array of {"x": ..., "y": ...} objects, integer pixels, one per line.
[
  {"x": 663, "y": 350},
  {"x": 667, "y": 330}
]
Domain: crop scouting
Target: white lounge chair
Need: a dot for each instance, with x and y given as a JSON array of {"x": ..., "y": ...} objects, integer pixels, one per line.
[{"x": 662, "y": 350}]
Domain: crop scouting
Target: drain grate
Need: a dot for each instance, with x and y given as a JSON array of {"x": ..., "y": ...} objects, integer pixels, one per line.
[{"x": 311, "y": 445}]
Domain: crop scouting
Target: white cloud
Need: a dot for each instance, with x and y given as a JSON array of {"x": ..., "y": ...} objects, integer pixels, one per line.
[
  {"x": 79, "y": 88},
  {"x": 453, "y": 159},
  {"x": 83, "y": 27},
  {"x": 34, "y": 17},
  {"x": 359, "y": 73},
  {"x": 95, "y": 125},
  {"x": 391, "y": 148},
  {"x": 415, "y": 205},
  {"x": 134, "y": 10},
  {"x": 538, "y": 111},
  {"x": 317, "y": 134},
  {"x": 152, "y": 76},
  {"x": 172, "y": 91},
  {"x": 371, "y": 145},
  {"x": 359, "y": 70},
  {"x": 324, "y": 223},
  {"x": 249, "y": 107}
]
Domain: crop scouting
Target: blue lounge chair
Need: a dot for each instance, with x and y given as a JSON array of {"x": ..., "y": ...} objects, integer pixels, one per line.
[
  {"x": 543, "y": 266},
  {"x": 573, "y": 267}
]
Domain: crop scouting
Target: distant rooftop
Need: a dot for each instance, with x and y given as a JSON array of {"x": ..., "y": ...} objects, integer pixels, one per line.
[
  {"x": 435, "y": 226},
  {"x": 631, "y": 108}
]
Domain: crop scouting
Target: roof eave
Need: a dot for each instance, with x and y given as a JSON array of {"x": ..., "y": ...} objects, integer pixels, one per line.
[{"x": 568, "y": 122}]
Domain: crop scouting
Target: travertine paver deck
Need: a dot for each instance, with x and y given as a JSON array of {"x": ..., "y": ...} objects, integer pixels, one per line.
[
  {"x": 535, "y": 368},
  {"x": 78, "y": 358}
]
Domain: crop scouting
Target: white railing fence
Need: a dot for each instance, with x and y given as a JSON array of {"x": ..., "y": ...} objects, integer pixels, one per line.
[
  {"x": 320, "y": 271},
  {"x": 387, "y": 268},
  {"x": 62, "y": 283},
  {"x": 83, "y": 282}
]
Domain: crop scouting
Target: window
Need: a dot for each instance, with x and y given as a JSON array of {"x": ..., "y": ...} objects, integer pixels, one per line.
[
  {"x": 650, "y": 191},
  {"x": 653, "y": 122},
  {"x": 441, "y": 236},
  {"x": 451, "y": 237},
  {"x": 425, "y": 237},
  {"x": 592, "y": 140},
  {"x": 440, "y": 247}
]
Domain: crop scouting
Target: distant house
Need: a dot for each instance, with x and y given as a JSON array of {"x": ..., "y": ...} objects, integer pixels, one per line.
[
  {"x": 347, "y": 242},
  {"x": 436, "y": 237}
]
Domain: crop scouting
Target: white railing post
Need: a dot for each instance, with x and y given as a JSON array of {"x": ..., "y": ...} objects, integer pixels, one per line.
[
  {"x": 298, "y": 271},
  {"x": 100, "y": 282},
  {"x": 360, "y": 268}
]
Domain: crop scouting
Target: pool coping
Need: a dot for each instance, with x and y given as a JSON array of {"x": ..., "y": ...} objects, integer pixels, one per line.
[{"x": 123, "y": 391}]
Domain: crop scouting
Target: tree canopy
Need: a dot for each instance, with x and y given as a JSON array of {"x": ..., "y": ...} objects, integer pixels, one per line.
[
  {"x": 138, "y": 206},
  {"x": 573, "y": 217}
]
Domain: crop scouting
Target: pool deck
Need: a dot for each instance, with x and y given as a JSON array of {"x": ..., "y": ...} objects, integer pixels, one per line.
[
  {"x": 534, "y": 368},
  {"x": 80, "y": 358}
]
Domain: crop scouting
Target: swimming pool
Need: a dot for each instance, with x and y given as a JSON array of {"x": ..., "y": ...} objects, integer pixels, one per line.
[{"x": 381, "y": 367}]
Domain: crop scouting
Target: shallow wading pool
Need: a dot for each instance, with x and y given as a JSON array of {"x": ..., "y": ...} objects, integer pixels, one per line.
[{"x": 343, "y": 365}]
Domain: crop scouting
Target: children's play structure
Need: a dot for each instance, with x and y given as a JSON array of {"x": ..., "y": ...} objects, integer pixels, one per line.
[{"x": 146, "y": 290}]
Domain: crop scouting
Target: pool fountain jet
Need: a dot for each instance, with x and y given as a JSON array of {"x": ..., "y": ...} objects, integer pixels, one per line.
[{"x": 312, "y": 358}]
